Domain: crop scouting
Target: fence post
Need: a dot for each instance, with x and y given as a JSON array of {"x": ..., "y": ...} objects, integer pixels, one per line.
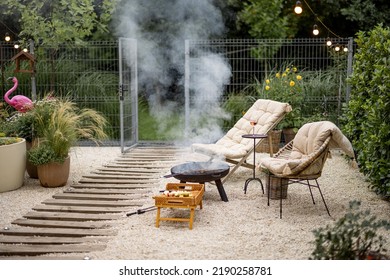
[
  {"x": 187, "y": 88},
  {"x": 33, "y": 82},
  {"x": 349, "y": 67}
]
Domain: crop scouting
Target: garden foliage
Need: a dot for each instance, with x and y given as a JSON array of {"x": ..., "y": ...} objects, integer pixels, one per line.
[
  {"x": 353, "y": 236},
  {"x": 367, "y": 113}
]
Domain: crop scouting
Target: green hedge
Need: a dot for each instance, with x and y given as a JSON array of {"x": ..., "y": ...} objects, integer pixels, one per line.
[{"x": 368, "y": 111}]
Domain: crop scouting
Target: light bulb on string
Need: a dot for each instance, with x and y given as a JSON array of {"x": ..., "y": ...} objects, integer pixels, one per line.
[
  {"x": 298, "y": 8},
  {"x": 315, "y": 30},
  {"x": 16, "y": 46},
  {"x": 7, "y": 38},
  {"x": 337, "y": 48},
  {"x": 328, "y": 42},
  {"x": 25, "y": 50},
  {"x": 345, "y": 49}
]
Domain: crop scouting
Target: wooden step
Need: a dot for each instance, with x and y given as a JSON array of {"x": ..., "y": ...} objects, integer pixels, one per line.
[
  {"x": 93, "y": 203},
  {"x": 135, "y": 187},
  {"x": 81, "y": 209},
  {"x": 130, "y": 170},
  {"x": 92, "y": 196},
  {"x": 129, "y": 192},
  {"x": 60, "y": 224},
  {"x": 116, "y": 181},
  {"x": 45, "y": 249},
  {"x": 70, "y": 216},
  {"x": 65, "y": 232},
  {"x": 49, "y": 239},
  {"x": 119, "y": 176},
  {"x": 123, "y": 174}
]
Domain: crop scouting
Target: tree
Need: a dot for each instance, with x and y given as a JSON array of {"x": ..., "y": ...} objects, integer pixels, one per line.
[
  {"x": 264, "y": 18},
  {"x": 58, "y": 21}
]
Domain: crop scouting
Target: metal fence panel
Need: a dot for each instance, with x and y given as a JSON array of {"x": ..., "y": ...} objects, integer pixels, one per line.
[
  {"x": 86, "y": 73},
  {"x": 252, "y": 61}
]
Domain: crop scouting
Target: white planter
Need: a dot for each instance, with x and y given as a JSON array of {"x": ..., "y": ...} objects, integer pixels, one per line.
[{"x": 12, "y": 166}]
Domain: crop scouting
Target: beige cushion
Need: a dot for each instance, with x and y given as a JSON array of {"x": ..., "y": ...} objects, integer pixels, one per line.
[
  {"x": 309, "y": 142},
  {"x": 233, "y": 145},
  {"x": 311, "y": 136}
]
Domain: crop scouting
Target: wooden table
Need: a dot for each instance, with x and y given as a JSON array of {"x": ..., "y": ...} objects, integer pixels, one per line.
[{"x": 187, "y": 202}]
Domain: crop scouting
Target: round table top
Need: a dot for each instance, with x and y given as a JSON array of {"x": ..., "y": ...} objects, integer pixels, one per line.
[{"x": 254, "y": 136}]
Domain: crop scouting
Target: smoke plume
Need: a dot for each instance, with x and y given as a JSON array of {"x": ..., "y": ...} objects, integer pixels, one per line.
[{"x": 161, "y": 28}]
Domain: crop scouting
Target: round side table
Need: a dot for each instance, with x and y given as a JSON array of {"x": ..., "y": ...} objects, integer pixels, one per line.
[{"x": 254, "y": 137}]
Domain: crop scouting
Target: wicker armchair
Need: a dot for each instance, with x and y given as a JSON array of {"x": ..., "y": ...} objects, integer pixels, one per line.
[{"x": 302, "y": 159}]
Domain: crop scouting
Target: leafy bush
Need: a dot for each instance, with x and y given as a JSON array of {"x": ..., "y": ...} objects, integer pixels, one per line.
[
  {"x": 367, "y": 114},
  {"x": 354, "y": 236},
  {"x": 8, "y": 140}
]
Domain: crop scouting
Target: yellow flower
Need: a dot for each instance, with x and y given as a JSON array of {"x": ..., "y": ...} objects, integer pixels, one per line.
[
  {"x": 267, "y": 81},
  {"x": 284, "y": 75},
  {"x": 277, "y": 75},
  {"x": 292, "y": 83},
  {"x": 267, "y": 87},
  {"x": 299, "y": 77},
  {"x": 295, "y": 69},
  {"x": 287, "y": 70}
]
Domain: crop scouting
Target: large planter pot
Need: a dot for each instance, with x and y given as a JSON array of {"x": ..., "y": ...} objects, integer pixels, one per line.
[
  {"x": 12, "y": 166},
  {"x": 288, "y": 134},
  {"x": 54, "y": 174},
  {"x": 32, "y": 169},
  {"x": 275, "y": 187},
  {"x": 264, "y": 146}
]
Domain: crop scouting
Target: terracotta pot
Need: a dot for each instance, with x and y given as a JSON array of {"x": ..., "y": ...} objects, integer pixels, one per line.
[
  {"x": 12, "y": 166},
  {"x": 54, "y": 174},
  {"x": 32, "y": 170}
]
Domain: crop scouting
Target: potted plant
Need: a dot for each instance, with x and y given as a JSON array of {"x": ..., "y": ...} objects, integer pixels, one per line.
[
  {"x": 58, "y": 125},
  {"x": 21, "y": 125},
  {"x": 12, "y": 162}
]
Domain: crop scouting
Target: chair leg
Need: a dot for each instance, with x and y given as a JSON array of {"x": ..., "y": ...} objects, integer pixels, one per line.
[
  {"x": 311, "y": 193},
  {"x": 268, "y": 187},
  {"x": 326, "y": 206},
  {"x": 281, "y": 197}
]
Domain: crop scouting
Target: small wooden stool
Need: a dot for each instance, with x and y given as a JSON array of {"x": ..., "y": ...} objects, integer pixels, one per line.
[{"x": 190, "y": 202}]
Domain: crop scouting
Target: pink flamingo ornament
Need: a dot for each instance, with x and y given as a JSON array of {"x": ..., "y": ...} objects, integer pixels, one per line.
[{"x": 19, "y": 102}]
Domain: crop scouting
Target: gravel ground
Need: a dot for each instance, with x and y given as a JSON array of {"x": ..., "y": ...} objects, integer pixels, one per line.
[{"x": 243, "y": 228}]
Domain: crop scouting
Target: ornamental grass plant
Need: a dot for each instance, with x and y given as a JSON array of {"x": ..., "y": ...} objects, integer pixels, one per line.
[{"x": 58, "y": 125}]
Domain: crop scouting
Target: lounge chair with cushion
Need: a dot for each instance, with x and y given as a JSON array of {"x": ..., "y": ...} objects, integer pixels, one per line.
[
  {"x": 235, "y": 149},
  {"x": 302, "y": 160}
]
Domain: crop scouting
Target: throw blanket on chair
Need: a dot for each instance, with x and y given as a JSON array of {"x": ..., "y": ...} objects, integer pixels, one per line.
[{"x": 310, "y": 141}]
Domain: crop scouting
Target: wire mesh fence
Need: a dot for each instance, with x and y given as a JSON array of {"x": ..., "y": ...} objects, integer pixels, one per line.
[
  {"x": 89, "y": 74},
  {"x": 254, "y": 63}
]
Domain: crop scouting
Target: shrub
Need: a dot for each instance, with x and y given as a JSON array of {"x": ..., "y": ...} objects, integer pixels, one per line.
[
  {"x": 367, "y": 113},
  {"x": 354, "y": 236}
]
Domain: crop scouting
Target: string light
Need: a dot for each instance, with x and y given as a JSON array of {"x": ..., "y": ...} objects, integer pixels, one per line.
[
  {"x": 16, "y": 46},
  {"x": 298, "y": 8},
  {"x": 328, "y": 42},
  {"x": 25, "y": 50},
  {"x": 315, "y": 30},
  {"x": 345, "y": 49},
  {"x": 7, "y": 38},
  {"x": 337, "y": 48},
  {"x": 317, "y": 18}
]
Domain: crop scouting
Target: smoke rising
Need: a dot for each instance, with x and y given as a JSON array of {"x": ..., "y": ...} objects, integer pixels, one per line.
[{"x": 161, "y": 28}]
